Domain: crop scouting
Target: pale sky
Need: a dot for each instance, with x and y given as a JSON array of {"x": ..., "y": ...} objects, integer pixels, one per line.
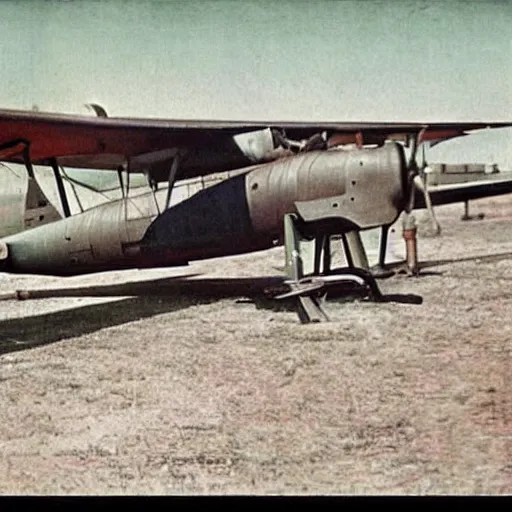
[{"x": 278, "y": 60}]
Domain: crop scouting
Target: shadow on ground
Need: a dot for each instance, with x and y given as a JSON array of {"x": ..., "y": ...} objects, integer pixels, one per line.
[
  {"x": 139, "y": 300},
  {"x": 487, "y": 258},
  {"x": 144, "y": 299}
]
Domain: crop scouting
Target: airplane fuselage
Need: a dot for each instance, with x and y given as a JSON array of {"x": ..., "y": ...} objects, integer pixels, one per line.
[{"x": 335, "y": 190}]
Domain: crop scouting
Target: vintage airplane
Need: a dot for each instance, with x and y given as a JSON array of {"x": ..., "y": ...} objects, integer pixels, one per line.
[{"x": 293, "y": 181}]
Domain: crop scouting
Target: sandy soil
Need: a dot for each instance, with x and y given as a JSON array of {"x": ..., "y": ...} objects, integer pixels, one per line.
[{"x": 164, "y": 392}]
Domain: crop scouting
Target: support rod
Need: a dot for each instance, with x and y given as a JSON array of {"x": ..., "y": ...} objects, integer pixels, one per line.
[
  {"x": 346, "y": 249},
  {"x": 293, "y": 260},
  {"x": 383, "y": 246},
  {"x": 128, "y": 180},
  {"x": 27, "y": 161},
  {"x": 319, "y": 245},
  {"x": 121, "y": 182},
  {"x": 379, "y": 270},
  {"x": 357, "y": 249},
  {"x": 466, "y": 211},
  {"x": 60, "y": 187},
  {"x": 326, "y": 242},
  {"x": 172, "y": 178}
]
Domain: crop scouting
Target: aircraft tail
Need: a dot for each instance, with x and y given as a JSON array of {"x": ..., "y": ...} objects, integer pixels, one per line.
[{"x": 38, "y": 208}]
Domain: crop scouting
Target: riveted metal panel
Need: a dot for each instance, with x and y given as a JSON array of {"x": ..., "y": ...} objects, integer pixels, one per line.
[
  {"x": 365, "y": 186},
  {"x": 273, "y": 189},
  {"x": 373, "y": 193},
  {"x": 76, "y": 244}
]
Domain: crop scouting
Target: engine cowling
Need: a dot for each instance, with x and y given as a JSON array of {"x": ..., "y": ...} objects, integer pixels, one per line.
[{"x": 364, "y": 187}]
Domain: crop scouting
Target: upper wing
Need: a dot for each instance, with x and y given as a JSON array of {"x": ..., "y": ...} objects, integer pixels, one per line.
[{"x": 106, "y": 143}]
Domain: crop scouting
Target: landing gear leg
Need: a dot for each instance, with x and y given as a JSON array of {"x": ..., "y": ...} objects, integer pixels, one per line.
[
  {"x": 309, "y": 307},
  {"x": 380, "y": 271},
  {"x": 319, "y": 242},
  {"x": 311, "y": 291},
  {"x": 355, "y": 247}
]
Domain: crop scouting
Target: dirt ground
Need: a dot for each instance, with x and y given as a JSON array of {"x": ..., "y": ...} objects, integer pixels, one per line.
[{"x": 171, "y": 393}]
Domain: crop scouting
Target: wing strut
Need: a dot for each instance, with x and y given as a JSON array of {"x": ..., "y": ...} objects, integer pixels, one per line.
[
  {"x": 27, "y": 161},
  {"x": 379, "y": 270},
  {"x": 121, "y": 181},
  {"x": 172, "y": 179},
  {"x": 16, "y": 147},
  {"x": 60, "y": 187},
  {"x": 73, "y": 188}
]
